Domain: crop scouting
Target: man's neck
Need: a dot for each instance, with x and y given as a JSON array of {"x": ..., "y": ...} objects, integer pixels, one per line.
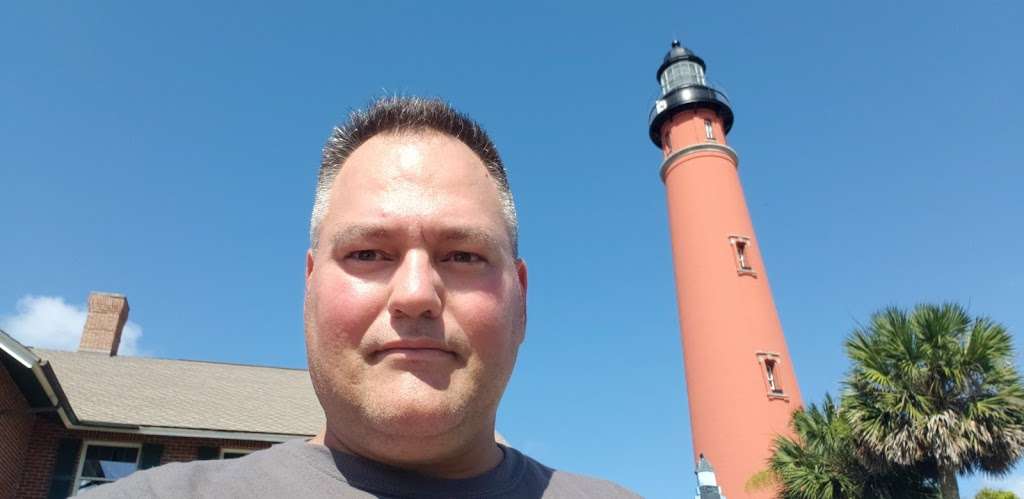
[{"x": 477, "y": 456}]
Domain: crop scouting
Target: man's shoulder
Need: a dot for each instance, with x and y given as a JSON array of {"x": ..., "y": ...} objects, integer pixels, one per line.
[
  {"x": 294, "y": 469},
  {"x": 168, "y": 480},
  {"x": 563, "y": 484},
  {"x": 570, "y": 485},
  {"x": 247, "y": 476}
]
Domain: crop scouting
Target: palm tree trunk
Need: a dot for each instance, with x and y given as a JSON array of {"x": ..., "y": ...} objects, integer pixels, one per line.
[{"x": 947, "y": 483}]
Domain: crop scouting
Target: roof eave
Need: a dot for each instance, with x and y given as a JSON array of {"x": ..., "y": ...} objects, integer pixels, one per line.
[
  {"x": 167, "y": 431},
  {"x": 17, "y": 351},
  {"x": 43, "y": 375}
]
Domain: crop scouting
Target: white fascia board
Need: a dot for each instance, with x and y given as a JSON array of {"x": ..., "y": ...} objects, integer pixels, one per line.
[
  {"x": 164, "y": 431},
  {"x": 19, "y": 352},
  {"x": 31, "y": 361}
]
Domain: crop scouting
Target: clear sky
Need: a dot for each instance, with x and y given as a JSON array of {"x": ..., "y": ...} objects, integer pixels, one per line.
[{"x": 169, "y": 152}]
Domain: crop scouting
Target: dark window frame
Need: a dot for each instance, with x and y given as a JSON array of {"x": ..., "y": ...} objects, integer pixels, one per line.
[
  {"x": 102, "y": 443},
  {"x": 235, "y": 453}
]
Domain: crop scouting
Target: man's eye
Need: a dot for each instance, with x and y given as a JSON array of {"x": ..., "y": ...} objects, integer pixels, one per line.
[
  {"x": 464, "y": 257},
  {"x": 366, "y": 255}
]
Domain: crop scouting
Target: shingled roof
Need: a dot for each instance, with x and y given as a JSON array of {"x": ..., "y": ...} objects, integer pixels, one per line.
[{"x": 186, "y": 394}]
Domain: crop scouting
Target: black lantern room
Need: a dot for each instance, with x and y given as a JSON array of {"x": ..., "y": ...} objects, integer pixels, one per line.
[{"x": 683, "y": 86}]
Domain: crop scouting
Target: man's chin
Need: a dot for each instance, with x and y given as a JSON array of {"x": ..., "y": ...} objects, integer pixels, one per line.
[
  {"x": 409, "y": 406},
  {"x": 415, "y": 418}
]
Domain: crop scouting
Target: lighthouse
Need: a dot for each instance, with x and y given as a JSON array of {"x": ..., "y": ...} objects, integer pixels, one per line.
[{"x": 740, "y": 381}]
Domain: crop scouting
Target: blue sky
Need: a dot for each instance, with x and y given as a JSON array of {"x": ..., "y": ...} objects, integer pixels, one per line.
[{"x": 169, "y": 152}]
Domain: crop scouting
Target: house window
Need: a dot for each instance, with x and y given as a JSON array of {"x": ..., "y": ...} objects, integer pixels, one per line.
[
  {"x": 709, "y": 130},
  {"x": 769, "y": 364},
  {"x": 740, "y": 247},
  {"x": 104, "y": 462},
  {"x": 233, "y": 453}
]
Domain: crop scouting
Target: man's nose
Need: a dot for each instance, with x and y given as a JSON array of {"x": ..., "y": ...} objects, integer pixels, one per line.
[{"x": 416, "y": 288}]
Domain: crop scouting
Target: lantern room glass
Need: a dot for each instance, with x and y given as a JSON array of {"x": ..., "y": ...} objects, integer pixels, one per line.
[{"x": 681, "y": 74}]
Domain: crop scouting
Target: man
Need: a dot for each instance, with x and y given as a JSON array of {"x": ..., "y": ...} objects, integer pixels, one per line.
[{"x": 414, "y": 312}]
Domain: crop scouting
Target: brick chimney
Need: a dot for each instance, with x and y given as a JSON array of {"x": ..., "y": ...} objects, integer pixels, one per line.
[{"x": 107, "y": 315}]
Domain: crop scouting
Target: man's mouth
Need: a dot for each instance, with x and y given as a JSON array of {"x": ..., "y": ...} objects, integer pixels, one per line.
[{"x": 414, "y": 350}]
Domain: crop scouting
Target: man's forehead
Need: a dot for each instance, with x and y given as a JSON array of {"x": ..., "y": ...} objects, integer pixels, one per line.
[
  {"x": 408, "y": 151},
  {"x": 425, "y": 182},
  {"x": 414, "y": 162}
]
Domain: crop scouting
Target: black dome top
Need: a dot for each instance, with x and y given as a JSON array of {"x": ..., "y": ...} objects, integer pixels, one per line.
[{"x": 678, "y": 53}]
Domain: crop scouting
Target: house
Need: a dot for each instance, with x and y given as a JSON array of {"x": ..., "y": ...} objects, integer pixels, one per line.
[{"x": 71, "y": 420}]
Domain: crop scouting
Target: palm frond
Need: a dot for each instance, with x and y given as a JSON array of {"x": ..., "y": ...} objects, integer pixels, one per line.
[{"x": 935, "y": 385}]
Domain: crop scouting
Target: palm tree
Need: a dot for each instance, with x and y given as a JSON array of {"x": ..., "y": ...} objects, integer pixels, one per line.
[
  {"x": 988, "y": 493},
  {"x": 936, "y": 390},
  {"x": 822, "y": 463}
]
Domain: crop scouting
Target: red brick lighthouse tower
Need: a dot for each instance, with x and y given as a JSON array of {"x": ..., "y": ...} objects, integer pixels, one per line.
[{"x": 739, "y": 376}]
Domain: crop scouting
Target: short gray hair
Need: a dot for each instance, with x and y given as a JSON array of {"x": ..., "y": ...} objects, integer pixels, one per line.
[{"x": 401, "y": 115}]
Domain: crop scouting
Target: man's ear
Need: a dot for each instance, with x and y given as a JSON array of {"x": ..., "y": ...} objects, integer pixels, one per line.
[
  {"x": 521, "y": 272},
  {"x": 309, "y": 265}
]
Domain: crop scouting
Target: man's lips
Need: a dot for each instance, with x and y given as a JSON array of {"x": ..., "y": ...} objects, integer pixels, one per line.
[{"x": 414, "y": 349}]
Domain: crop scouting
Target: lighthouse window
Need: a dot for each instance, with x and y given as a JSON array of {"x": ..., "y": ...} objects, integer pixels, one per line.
[
  {"x": 709, "y": 130},
  {"x": 769, "y": 371},
  {"x": 769, "y": 363},
  {"x": 740, "y": 246},
  {"x": 681, "y": 74}
]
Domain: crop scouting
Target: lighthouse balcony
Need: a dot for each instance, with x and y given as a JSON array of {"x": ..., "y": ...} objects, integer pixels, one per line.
[{"x": 689, "y": 97}]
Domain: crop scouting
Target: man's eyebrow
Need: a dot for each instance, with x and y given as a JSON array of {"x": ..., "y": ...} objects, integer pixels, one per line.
[
  {"x": 352, "y": 233},
  {"x": 359, "y": 232},
  {"x": 469, "y": 235}
]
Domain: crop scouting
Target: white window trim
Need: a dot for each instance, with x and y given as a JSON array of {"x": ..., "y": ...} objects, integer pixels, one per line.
[
  {"x": 778, "y": 392},
  {"x": 735, "y": 242},
  {"x": 224, "y": 450},
  {"x": 101, "y": 443}
]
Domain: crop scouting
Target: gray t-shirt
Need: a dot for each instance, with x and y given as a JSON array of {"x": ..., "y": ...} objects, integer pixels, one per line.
[{"x": 298, "y": 470}]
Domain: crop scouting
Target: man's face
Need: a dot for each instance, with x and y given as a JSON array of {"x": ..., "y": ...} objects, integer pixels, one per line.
[{"x": 415, "y": 304}]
